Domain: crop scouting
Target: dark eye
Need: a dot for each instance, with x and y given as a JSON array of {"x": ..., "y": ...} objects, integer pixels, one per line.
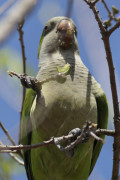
[{"x": 46, "y": 28}]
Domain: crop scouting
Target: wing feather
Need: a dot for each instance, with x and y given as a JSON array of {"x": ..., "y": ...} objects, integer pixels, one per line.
[
  {"x": 102, "y": 119},
  {"x": 26, "y": 130}
]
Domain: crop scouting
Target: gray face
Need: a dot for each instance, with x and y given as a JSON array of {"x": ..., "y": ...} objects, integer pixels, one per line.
[{"x": 59, "y": 33}]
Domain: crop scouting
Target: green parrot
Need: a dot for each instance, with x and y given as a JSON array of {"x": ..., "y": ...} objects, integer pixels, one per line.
[{"x": 58, "y": 107}]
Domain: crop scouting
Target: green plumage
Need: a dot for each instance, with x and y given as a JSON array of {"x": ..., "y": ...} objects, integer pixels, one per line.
[
  {"x": 102, "y": 120},
  {"x": 26, "y": 130},
  {"x": 61, "y": 108}
]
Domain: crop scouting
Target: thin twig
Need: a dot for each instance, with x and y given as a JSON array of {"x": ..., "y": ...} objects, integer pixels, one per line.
[
  {"x": 8, "y": 151},
  {"x": 87, "y": 131},
  {"x": 57, "y": 140},
  {"x": 106, "y": 7},
  {"x": 20, "y": 26},
  {"x": 110, "y": 14},
  {"x": 32, "y": 82},
  {"x": 117, "y": 25},
  {"x": 22, "y": 147},
  {"x": 12, "y": 155},
  {"x": 96, "y": 137},
  {"x": 13, "y": 73},
  {"x": 105, "y": 132},
  {"x": 16, "y": 159},
  {"x": 10, "y": 138},
  {"x": 97, "y": 16},
  {"x": 112, "y": 75},
  {"x": 7, "y": 134}
]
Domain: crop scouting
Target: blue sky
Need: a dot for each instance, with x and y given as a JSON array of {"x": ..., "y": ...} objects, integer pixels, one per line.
[{"x": 91, "y": 51}]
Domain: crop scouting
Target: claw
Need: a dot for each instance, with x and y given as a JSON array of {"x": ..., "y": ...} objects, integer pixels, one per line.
[
  {"x": 30, "y": 82},
  {"x": 27, "y": 81},
  {"x": 76, "y": 132}
]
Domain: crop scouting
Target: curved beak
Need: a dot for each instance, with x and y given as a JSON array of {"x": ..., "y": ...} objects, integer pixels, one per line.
[{"x": 65, "y": 32}]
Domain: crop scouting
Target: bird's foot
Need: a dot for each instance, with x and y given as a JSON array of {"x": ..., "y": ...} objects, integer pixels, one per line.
[
  {"x": 30, "y": 82},
  {"x": 27, "y": 81},
  {"x": 75, "y": 137},
  {"x": 75, "y": 132}
]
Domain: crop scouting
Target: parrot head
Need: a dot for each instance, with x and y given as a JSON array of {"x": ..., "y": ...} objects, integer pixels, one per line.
[{"x": 58, "y": 33}]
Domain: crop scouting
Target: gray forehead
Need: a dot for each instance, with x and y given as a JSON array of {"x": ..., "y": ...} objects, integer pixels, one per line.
[{"x": 56, "y": 20}]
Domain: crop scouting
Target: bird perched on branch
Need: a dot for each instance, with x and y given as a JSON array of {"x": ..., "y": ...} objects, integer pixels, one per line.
[{"x": 60, "y": 105}]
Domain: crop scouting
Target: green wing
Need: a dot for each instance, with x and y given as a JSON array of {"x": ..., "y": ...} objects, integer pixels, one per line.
[
  {"x": 102, "y": 113},
  {"x": 26, "y": 130}
]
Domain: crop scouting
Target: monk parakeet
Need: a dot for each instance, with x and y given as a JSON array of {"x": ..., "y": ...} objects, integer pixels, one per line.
[{"x": 61, "y": 107}]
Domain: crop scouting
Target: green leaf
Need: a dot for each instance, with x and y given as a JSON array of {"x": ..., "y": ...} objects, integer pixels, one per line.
[
  {"x": 115, "y": 10},
  {"x": 64, "y": 70}
]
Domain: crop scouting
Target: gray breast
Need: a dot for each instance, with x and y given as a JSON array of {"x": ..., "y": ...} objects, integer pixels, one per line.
[{"x": 67, "y": 105}]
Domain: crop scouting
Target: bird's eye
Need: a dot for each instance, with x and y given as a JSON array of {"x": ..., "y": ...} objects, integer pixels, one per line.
[{"x": 46, "y": 28}]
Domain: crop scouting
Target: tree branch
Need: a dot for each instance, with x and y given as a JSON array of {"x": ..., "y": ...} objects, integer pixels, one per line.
[
  {"x": 10, "y": 138},
  {"x": 32, "y": 82},
  {"x": 105, "y": 132},
  {"x": 111, "y": 15},
  {"x": 7, "y": 134},
  {"x": 117, "y": 25},
  {"x": 106, "y": 7},
  {"x": 86, "y": 133},
  {"x": 105, "y": 37},
  {"x": 16, "y": 159},
  {"x": 13, "y": 156},
  {"x": 97, "y": 16},
  {"x": 16, "y": 148},
  {"x": 112, "y": 76},
  {"x": 20, "y": 26}
]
